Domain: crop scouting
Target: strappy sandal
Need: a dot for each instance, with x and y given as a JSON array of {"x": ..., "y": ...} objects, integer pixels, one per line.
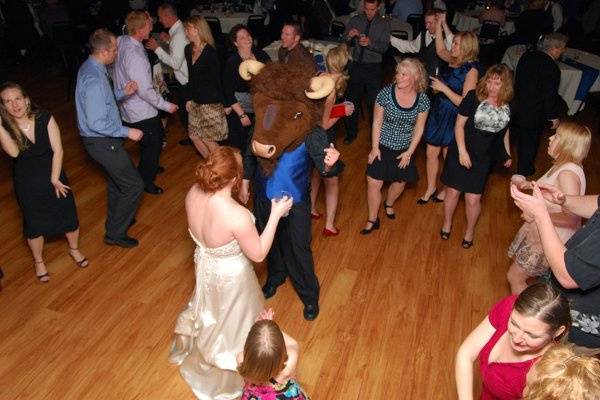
[
  {"x": 385, "y": 207},
  {"x": 83, "y": 263},
  {"x": 43, "y": 278},
  {"x": 444, "y": 235}
]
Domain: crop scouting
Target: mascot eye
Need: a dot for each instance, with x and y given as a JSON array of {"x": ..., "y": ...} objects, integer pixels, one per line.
[{"x": 298, "y": 115}]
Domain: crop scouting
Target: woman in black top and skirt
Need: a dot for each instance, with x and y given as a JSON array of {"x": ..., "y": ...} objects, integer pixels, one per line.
[
  {"x": 481, "y": 133},
  {"x": 398, "y": 123},
  {"x": 238, "y": 102},
  {"x": 203, "y": 93},
  {"x": 32, "y": 138}
]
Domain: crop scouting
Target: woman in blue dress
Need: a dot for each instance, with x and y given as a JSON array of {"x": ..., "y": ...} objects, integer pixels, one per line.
[{"x": 450, "y": 86}]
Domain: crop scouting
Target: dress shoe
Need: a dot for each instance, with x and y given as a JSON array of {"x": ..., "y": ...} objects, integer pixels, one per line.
[
  {"x": 185, "y": 142},
  {"x": 160, "y": 170},
  {"x": 269, "y": 291},
  {"x": 374, "y": 225},
  {"x": 311, "y": 311},
  {"x": 316, "y": 215},
  {"x": 432, "y": 197},
  {"x": 329, "y": 232},
  {"x": 466, "y": 244},
  {"x": 391, "y": 215},
  {"x": 153, "y": 189},
  {"x": 125, "y": 241}
]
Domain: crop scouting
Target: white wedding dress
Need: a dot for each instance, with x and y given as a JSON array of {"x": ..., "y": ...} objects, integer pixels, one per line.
[{"x": 216, "y": 322}]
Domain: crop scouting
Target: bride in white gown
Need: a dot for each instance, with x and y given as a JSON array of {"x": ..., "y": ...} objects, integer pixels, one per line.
[{"x": 212, "y": 329}]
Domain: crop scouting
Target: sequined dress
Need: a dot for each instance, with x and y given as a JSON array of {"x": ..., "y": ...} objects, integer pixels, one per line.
[{"x": 217, "y": 319}]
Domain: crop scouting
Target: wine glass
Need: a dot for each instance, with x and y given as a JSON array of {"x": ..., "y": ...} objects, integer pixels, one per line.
[{"x": 282, "y": 195}]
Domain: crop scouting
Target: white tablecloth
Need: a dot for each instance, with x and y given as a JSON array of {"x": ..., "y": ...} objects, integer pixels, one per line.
[
  {"x": 316, "y": 46},
  {"x": 570, "y": 77},
  {"x": 465, "y": 21},
  {"x": 395, "y": 24},
  {"x": 228, "y": 20}
]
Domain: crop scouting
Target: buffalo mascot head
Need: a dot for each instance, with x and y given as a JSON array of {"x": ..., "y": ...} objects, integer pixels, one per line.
[{"x": 288, "y": 105}]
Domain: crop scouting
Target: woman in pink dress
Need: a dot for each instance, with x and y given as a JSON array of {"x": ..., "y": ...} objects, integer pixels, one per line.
[
  {"x": 568, "y": 148},
  {"x": 516, "y": 332}
]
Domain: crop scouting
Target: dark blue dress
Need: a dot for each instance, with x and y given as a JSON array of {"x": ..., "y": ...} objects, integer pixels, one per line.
[{"x": 439, "y": 130}]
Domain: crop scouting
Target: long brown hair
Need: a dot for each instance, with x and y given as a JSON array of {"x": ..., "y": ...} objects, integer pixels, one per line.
[
  {"x": 506, "y": 91},
  {"x": 9, "y": 123}
]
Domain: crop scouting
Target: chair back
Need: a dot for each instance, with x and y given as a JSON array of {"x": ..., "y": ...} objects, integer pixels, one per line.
[
  {"x": 400, "y": 34},
  {"x": 256, "y": 24},
  {"x": 337, "y": 28},
  {"x": 416, "y": 21},
  {"x": 215, "y": 27},
  {"x": 489, "y": 32}
]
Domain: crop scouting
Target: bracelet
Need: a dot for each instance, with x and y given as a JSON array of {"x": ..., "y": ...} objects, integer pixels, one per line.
[{"x": 243, "y": 116}]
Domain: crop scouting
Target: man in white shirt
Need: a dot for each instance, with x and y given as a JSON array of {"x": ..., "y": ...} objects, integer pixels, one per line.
[
  {"x": 424, "y": 44},
  {"x": 140, "y": 110},
  {"x": 175, "y": 58}
]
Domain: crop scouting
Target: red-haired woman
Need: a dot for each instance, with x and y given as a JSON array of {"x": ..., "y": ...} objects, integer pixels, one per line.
[
  {"x": 481, "y": 129},
  {"x": 211, "y": 331}
]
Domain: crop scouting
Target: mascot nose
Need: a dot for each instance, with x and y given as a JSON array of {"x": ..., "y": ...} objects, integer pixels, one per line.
[{"x": 263, "y": 150}]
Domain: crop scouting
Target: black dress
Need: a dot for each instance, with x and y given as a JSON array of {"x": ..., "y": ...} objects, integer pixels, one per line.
[
  {"x": 484, "y": 140},
  {"x": 43, "y": 213}
]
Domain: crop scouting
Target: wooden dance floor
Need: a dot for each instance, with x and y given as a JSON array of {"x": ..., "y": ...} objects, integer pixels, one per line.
[{"x": 395, "y": 305}]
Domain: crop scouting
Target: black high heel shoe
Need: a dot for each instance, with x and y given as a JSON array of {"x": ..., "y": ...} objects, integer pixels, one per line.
[
  {"x": 444, "y": 235},
  {"x": 385, "y": 208},
  {"x": 466, "y": 244},
  {"x": 374, "y": 225},
  {"x": 433, "y": 197}
]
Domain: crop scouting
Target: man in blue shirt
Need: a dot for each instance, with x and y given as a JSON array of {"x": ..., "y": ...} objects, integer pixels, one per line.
[{"x": 103, "y": 136}]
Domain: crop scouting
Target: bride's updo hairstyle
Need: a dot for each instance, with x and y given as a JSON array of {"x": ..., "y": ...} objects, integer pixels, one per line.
[{"x": 221, "y": 167}]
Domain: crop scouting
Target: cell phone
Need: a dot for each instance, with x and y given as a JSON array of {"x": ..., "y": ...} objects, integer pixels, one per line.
[{"x": 338, "y": 111}]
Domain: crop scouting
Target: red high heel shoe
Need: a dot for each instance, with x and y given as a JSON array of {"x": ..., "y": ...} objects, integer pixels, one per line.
[
  {"x": 327, "y": 232},
  {"x": 316, "y": 215}
]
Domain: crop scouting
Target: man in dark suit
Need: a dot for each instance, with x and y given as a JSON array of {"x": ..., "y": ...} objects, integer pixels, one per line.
[{"x": 536, "y": 99}]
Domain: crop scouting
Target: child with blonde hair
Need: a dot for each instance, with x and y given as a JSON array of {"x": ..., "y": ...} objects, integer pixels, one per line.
[
  {"x": 561, "y": 374},
  {"x": 568, "y": 147},
  {"x": 268, "y": 363}
]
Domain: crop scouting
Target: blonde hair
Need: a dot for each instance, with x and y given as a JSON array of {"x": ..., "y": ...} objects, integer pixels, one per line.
[
  {"x": 573, "y": 144},
  {"x": 337, "y": 60},
  {"x": 506, "y": 91},
  {"x": 135, "y": 20},
  {"x": 264, "y": 353},
  {"x": 469, "y": 47},
  {"x": 562, "y": 375},
  {"x": 199, "y": 23},
  {"x": 416, "y": 70}
]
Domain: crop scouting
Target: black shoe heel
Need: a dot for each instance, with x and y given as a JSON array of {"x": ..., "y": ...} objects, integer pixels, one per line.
[{"x": 374, "y": 225}]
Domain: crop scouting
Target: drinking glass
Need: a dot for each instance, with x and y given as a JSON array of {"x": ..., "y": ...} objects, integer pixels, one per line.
[{"x": 281, "y": 196}]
